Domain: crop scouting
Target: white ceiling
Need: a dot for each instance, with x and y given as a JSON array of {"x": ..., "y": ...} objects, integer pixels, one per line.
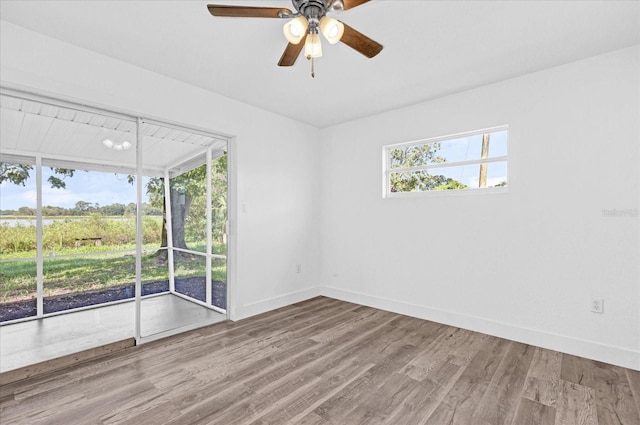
[{"x": 431, "y": 48}]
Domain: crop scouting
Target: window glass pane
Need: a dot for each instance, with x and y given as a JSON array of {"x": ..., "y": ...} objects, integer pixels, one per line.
[
  {"x": 188, "y": 209},
  {"x": 190, "y": 275},
  {"x": 471, "y": 176},
  {"x": 458, "y": 177},
  {"x": 498, "y": 144},
  {"x": 89, "y": 237},
  {"x": 17, "y": 241},
  {"x": 460, "y": 149},
  {"x": 155, "y": 272},
  {"x": 497, "y": 174},
  {"x": 219, "y": 205},
  {"x": 470, "y": 148},
  {"x": 450, "y": 178}
]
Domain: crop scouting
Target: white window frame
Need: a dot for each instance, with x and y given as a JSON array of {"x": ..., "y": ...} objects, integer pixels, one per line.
[{"x": 387, "y": 170}]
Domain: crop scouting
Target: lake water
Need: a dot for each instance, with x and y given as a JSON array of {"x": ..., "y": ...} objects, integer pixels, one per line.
[
  {"x": 24, "y": 222},
  {"x": 45, "y": 221}
]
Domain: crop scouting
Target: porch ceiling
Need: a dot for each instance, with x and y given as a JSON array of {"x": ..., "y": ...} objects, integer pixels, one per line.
[{"x": 65, "y": 135}]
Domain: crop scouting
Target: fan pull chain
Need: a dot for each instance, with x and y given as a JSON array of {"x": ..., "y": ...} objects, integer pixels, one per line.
[{"x": 313, "y": 70}]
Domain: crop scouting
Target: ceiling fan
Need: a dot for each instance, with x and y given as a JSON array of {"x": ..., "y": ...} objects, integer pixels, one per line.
[{"x": 304, "y": 25}]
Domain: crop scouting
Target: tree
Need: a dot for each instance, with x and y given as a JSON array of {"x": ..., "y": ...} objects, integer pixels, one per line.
[
  {"x": 19, "y": 174},
  {"x": 82, "y": 207},
  {"x": 26, "y": 211},
  {"x": 451, "y": 184},
  {"x": 418, "y": 180},
  {"x": 14, "y": 173},
  {"x": 113, "y": 209},
  {"x": 188, "y": 206},
  {"x": 50, "y": 211},
  {"x": 130, "y": 209}
]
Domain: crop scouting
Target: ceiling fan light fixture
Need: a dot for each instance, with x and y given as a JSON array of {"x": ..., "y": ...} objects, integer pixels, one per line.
[
  {"x": 305, "y": 23},
  {"x": 313, "y": 46},
  {"x": 332, "y": 29},
  {"x": 110, "y": 144},
  {"x": 295, "y": 29}
]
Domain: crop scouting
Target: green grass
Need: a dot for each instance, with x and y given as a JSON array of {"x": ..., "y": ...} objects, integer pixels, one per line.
[
  {"x": 63, "y": 233},
  {"x": 71, "y": 269},
  {"x": 87, "y": 249},
  {"x": 89, "y": 273}
]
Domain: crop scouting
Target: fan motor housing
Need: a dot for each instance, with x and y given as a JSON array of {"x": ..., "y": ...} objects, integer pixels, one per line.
[{"x": 312, "y": 9}]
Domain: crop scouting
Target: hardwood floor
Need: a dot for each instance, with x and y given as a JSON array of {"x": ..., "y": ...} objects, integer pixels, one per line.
[{"x": 325, "y": 361}]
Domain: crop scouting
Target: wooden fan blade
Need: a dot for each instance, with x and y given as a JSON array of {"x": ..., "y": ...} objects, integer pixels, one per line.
[
  {"x": 246, "y": 11},
  {"x": 291, "y": 53},
  {"x": 350, "y": 4},
  {"x": 360, "y": 42}
]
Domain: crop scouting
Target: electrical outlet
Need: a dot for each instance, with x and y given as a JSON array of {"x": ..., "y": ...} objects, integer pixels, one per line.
[{"x": 597, "y": 305}]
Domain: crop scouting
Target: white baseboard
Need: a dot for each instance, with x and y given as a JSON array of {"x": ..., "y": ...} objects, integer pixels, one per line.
[
  {"x": 589, "y": 349},
  {"x": 280, "y": 301}
]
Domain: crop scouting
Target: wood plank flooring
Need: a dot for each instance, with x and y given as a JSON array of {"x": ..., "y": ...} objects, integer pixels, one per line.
[{"x": 325, "y": 361}]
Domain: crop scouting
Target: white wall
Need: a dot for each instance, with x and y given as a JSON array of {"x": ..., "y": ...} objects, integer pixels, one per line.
[
  {"x": 276, "y": 158},
  {"x": 523, "y": 264}
]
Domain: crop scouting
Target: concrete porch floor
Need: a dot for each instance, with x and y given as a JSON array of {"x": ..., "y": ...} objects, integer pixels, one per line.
[{"x": 41, "y": 340}]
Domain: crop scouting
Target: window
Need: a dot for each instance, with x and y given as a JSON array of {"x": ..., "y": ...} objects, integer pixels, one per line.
[{"x": 475, "y": 160}]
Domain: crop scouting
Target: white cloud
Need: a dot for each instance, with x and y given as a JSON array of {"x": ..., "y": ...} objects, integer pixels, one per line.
[{"x": 101, "y": 188}]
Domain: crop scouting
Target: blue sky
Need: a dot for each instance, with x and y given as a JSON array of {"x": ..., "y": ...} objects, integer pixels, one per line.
[
  {"x": 469, "y": 148},
  {"x": 94, "y": 187}
]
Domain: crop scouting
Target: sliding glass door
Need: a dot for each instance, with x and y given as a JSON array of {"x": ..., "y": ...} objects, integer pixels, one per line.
[
  {"x": 199, "y": 251},
  {"x": 192, "y": 194},
  {"x": 87, "y": 220}
]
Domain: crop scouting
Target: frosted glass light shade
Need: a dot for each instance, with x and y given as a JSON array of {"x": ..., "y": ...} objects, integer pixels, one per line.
[
  {"x": 313, "y": 46},
  {"x": 117, "y": 146},
  {"x": 332, "y": 29},
  {"x": 295, "y": 29}
]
